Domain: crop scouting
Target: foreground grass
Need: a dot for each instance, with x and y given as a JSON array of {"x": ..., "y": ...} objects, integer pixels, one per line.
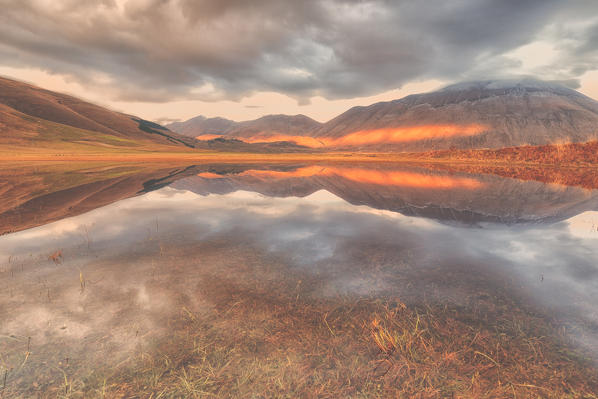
[
  {"x": 361, "y": 349},
  {"x": 266, "y": 333}
]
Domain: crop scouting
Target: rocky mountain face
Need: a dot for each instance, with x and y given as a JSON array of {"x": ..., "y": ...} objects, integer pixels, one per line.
[{"x": 481, "y": 114}]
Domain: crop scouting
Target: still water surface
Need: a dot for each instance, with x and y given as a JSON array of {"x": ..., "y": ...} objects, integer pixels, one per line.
[{"x": 97, "y": 289}]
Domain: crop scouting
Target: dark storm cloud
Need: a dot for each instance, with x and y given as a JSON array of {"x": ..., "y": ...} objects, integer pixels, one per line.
[{"x": 159, "y": 50}]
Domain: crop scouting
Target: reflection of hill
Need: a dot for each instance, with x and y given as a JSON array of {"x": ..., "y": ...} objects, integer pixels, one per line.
[
  {"x": 412, "y": 191},
  {"x": 566, "y": 176},
  {"x": 32, "y": 195}
]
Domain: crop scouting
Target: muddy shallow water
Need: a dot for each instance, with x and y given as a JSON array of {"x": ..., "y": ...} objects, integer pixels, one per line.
[{"x": 91, "y": 293}]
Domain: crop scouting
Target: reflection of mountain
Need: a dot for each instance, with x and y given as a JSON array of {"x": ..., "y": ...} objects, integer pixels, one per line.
[
  {"x": 31, "y": 196},
  {"x": 410, "y": 191},
  {"x": 34, "y": 195}
]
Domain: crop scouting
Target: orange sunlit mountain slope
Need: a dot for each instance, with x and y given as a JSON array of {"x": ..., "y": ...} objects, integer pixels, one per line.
[
  {"x": 405, "y": 134},
  {"x": 368, "y": 137}
]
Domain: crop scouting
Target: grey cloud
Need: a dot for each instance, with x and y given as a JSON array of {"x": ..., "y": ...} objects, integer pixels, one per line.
[{"x": 161, "y": 50}]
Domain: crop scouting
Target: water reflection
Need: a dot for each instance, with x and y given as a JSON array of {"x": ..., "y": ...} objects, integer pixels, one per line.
[
  {"x": 35, "y": 194},
  {"x": 410, "y": 190},
  {"x": 127, "y": 270}
]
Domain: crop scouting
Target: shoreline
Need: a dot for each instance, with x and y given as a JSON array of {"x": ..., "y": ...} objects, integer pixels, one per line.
[{"x": 243, "y": 158}]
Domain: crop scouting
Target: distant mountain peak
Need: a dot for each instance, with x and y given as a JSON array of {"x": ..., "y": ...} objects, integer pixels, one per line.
[
  {"x": 511, "y": 83},
  {"x": 276, "y": 123}
]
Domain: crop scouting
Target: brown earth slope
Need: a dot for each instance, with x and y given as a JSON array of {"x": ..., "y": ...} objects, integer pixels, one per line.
[{"x": 26, "y": 111}]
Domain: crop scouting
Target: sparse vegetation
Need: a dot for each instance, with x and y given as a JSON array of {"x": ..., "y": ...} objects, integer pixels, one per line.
[
  {"x": 264, "y": 334},
  {"x": 377, "y": 350},
  {"x": 56, "y": 257},
  {"x": 570, "y": 154}
]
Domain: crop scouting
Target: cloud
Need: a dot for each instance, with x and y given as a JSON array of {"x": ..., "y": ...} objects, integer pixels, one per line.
[{"x": 166, "y": 50}]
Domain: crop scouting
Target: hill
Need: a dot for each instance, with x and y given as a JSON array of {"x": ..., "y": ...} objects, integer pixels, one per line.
[
  {"x": 484, "y": 114},
  {"x": 471, "y": 115},
  {"x": 200, "y": 125},
  {"x": 37, "y": 118},
  {"x": 269, "y": 128}
]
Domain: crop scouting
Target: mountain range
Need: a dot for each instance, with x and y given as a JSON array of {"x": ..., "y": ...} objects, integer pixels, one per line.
[
  {"x": 480, "y": 114},
  {"x": 33, "y": 119},
  {"x": 474, "y": 115}
]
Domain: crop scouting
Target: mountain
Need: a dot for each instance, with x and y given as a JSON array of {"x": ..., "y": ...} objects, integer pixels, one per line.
[
  {"x": 200, "y": 125},
  {"x": 266, "y": 127},
  {"x": 35, "y": 117},
  {"x": 295, "y": 125},
  {"x": 487, "y": 114},
  {"x": 480, "y": 114},
  {"x": 223, "y": 144}
]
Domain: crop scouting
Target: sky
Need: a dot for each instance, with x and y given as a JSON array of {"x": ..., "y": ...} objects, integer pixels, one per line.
[{"x": 167, "y": 60}]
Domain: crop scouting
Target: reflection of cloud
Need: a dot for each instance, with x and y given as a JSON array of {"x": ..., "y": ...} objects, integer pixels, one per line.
[
  {"x": 354, "y": 250},
  {"x": 584, "y": 225}
]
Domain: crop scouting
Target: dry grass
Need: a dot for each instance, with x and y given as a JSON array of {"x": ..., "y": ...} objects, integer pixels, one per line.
[
  {"x": 271, "y": 343},
  {"x": 365, "y": 349},
  {"x": 266, "y": 333},
  {"x": 578, "y": 154}
]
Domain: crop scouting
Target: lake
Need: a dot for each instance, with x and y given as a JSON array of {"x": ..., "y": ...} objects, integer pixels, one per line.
[{"x": 318, "y": 280}]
